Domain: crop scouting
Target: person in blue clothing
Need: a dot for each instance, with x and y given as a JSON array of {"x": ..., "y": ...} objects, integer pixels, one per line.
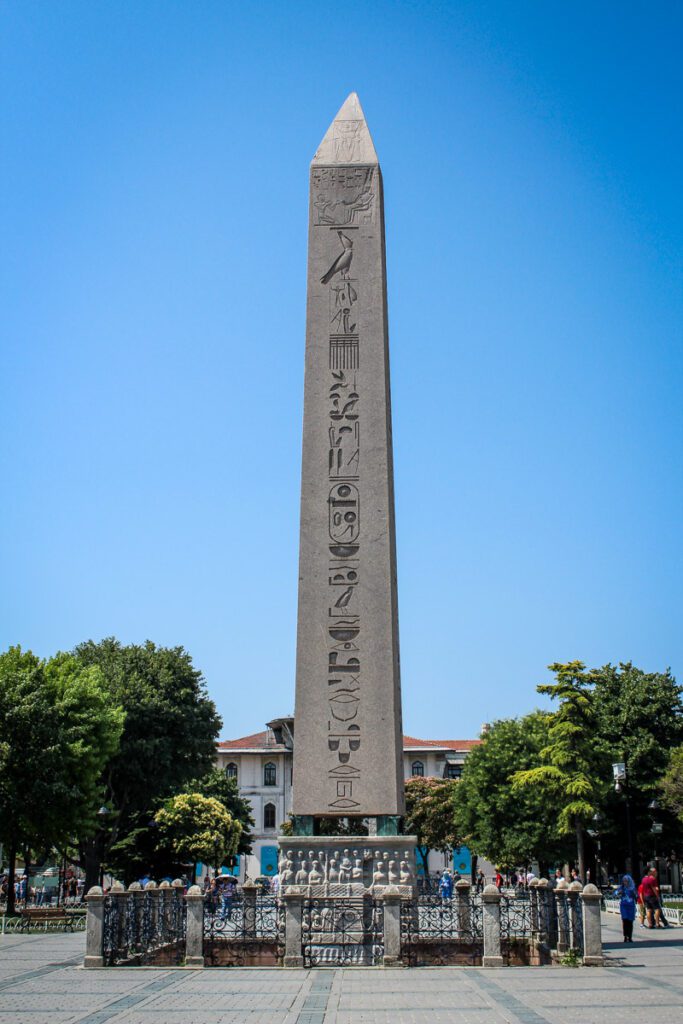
[
  {"x": 627, "y": 895},
  {"x": 446, "y": 886}
]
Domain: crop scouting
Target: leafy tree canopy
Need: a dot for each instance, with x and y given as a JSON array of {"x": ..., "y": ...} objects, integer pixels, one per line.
[
  {"x": 572, "y": 768},
  {"x": 169, "y": 736},
  {"x": 59, "y": 728},
  {"x": 671, "y": 784},
  {"x": 198, "y": 828},
  {"x": 216, "y": 784},
  {"x": 430, "y": 814},
  {"x": 508, "y": 828}
]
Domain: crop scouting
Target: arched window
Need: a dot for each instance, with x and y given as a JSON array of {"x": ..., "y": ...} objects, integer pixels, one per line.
[
  {"x": 269, "y": 774},
  {"x": 231, "y": 770},
  {"x": 418, "y": 768},
  {"x": 269, "y": 816}
]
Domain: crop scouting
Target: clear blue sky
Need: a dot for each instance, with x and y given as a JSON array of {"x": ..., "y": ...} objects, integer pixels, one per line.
[{"x": 154, "y": 177}]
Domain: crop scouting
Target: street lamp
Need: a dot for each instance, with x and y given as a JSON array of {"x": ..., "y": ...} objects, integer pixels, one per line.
[
  {"x": 594, "y": 833},
  {"x": 620, "y": 786},
  {"x": 102, "y": 815}
]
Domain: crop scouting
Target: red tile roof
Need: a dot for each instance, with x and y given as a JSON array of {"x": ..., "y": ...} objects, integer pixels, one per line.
[{"x": 266, "y": 739}]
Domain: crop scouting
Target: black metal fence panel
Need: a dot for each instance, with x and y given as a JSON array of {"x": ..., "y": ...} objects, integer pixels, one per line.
[
  {"x": 342, "y": 932},
  {"x": 241, "y": 932},
  {"x": 144, "y": 928},
  {"x": 438, "y": 932}
]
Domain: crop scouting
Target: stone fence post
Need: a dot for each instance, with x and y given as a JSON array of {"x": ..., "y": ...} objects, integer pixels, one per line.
[
  {"x": 94, "y": 928},
  {"x": 560, "y": 893},
  {"x": 574, "y": 891},
  {"x": 249, "y": 893},
  {"x": 391, "y": 900},
  {"x": 194, "y": 937},
  {"x": 294, "y": 907},
  {"x": 462, "y": 896},
  {"x": 592, "y": 930},
  {"x": 491, "y": 898},
  {"x": 543, "y": 897}
]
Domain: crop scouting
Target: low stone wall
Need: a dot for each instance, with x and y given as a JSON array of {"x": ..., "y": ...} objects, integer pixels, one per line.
[{"x": 165, "y": 927}]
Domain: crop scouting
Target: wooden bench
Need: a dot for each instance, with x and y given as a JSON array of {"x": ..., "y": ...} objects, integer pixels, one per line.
[{"x": 46, "y": 916}]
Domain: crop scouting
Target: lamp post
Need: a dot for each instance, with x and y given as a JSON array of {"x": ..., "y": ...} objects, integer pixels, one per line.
[
  {"x": 620, "y": 786},
  {"x": 102, "y": 815},
  {"x": 594, "y": 833},
  {"x": 656, "y": 829}
]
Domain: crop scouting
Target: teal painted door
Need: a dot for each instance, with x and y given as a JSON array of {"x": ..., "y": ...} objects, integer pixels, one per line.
[
  {"x": 269, "y": 860},
  {"x": 462, "y": 861}
]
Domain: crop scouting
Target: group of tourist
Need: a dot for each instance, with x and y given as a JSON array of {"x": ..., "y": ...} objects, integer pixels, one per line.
[
  {"x": 40, "y": 894},
  {"x": 645, "y": 899}
]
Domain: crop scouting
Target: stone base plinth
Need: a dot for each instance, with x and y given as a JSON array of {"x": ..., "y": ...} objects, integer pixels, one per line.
[{"x": 339, "y": 867}]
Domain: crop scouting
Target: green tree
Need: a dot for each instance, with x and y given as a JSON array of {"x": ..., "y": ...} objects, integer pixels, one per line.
[
  {"x": 639, "y": 720},
  {"x": 169, "y": 737},
  {"x": 671, "y": 784},
  {"x": 430, "y": 815},
  {"x": 216, "y": 784},
  {"x": 198, "y": 828},
  {"x": 571, "y": 772},
  {"x": 508, "y": 828},
  {"x": 59, "y": 729}
]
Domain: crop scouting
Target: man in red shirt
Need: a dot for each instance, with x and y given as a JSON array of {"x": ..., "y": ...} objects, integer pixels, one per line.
[{"x": 649, "y": 891}]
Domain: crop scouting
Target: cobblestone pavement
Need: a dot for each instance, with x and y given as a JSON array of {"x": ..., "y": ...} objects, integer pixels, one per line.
[{"x": 41, "y": 982}]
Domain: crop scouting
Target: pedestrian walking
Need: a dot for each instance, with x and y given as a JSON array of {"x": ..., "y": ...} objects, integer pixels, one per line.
[
  {"x": 481, "y": 881},
  {"x": 627, "y": 896},
  {"x": 650, "y": 895},
  {"x": 446, "y": 886}
]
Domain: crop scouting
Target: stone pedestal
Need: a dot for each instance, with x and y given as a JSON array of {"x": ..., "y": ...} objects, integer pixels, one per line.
[
  {"x": 294, "y": 902},
  {"x": 194, "y": 942},
  {"x": 391, "y": 899},
  {"x": 560, "y": 894},
  {"x": 347, "y": 866},
  {"x": 592, "y": 928},
  {"x": 491, "y": 898},
  {"x": 94, "y": 928}
]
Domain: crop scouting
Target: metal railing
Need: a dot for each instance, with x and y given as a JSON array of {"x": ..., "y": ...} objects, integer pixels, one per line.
[{"x": 144, "y": 927}]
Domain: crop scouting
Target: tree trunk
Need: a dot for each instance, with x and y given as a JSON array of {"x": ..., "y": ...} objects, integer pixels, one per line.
[
  {"x": 11, "y": 872},
  {"x": 27, "y": 872},
  {"x": 424, "y": 857},
  {"x": 580, "y": 852},
  {"x": 93, "y": 865}
]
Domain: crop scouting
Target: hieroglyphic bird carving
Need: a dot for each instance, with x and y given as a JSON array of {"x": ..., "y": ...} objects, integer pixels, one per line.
[{"x": 343, "y": 261}]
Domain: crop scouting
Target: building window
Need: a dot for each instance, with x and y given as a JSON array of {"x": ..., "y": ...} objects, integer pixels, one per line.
[
  {"x": 269, "y": 816},
  {"x": 417, "y": 769},
  {"x": 269, "y": 774},
  {"x": 231, "y": 770},
  {"x": 453, "y": 771}
]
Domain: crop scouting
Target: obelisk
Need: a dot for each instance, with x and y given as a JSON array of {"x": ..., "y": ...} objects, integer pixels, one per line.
[{"x": 348, "y": 729}]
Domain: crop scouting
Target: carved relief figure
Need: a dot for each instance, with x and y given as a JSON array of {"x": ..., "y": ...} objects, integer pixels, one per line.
[
  {"x": 380, "y": 874},
  {"x": 357, "y": 870},
  {"x": 345, "y": 868},
  {"x": 287, "y": 876},
  {"x": 343, "y": 261},
  {"x": 333, "y": 869},
  {"x": 406, "y": 873},
  {"x": 315, "y": 875},
  {"x": 392, "y": 873},
  {"x": 302, "y": 873}
]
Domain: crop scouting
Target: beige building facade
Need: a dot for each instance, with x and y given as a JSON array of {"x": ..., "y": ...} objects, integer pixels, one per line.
[{"x": 261, "y": 764}]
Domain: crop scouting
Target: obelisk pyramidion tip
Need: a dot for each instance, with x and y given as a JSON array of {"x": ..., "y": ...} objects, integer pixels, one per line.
[{"x": 348, "y": 139}]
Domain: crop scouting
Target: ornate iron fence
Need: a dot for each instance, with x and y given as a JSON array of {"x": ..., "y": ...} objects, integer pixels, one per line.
[
  {"x": 436, "y": 931},
  {"x": 144, "y": 928},
  {"x": 243, "y": 931},
  {"x": 342, "y": 932}
]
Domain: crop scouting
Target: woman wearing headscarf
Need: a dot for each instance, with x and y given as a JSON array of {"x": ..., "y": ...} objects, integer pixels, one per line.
[{"x": 626, "y": 894}]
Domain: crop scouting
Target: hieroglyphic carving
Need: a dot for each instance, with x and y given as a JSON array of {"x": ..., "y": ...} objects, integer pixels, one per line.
[
  {"x": 343, "y": 196},
  {"x": 344, "y": 657}
]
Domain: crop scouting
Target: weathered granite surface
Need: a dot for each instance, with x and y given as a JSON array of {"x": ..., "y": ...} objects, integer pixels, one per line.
[
  {"x": 347, "y": 866},
  {"x": 348, "y": 751}
]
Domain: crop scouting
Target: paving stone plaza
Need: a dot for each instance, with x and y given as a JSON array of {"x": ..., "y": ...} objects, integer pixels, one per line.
[{"x": 42, "y": 982}]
